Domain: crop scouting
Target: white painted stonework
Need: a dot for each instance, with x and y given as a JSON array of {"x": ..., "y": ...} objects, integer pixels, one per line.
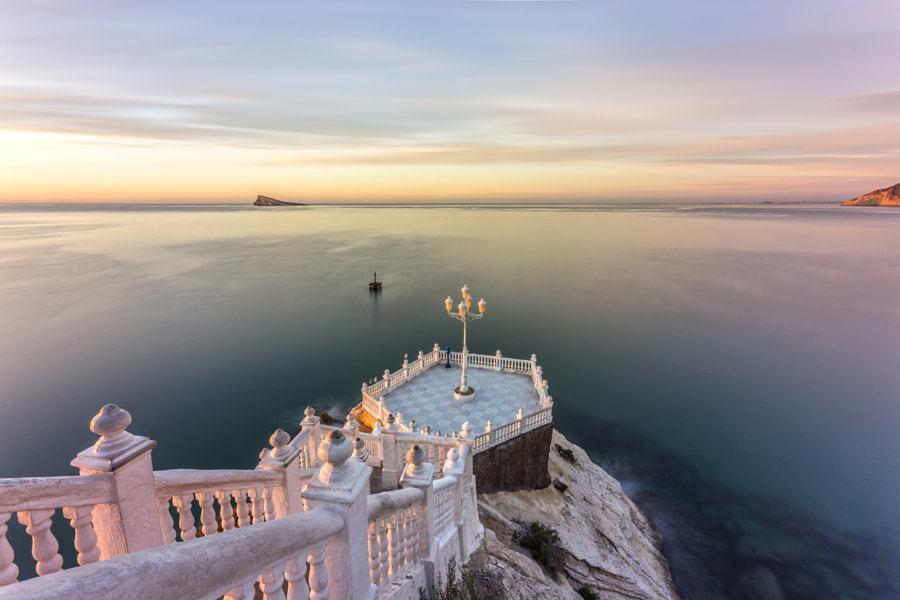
[{"x": 304, "y": 518}]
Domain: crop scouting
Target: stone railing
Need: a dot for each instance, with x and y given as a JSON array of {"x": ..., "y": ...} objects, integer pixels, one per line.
[
  {"x": 374, "y": 404},
  {"x": 301, "y": 520},
  {"x": 396, "y": 534}
]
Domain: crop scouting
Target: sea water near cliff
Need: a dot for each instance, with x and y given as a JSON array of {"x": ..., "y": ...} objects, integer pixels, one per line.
[{"x": 735, "y": 367}]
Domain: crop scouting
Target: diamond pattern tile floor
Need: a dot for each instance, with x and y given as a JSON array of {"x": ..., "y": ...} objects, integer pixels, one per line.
[{"x": 429, "y": 399}]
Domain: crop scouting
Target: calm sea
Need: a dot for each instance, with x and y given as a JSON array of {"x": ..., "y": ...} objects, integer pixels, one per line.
[{"x": 735, "y": 367}]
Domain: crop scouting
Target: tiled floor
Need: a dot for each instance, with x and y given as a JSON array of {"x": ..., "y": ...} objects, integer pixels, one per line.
[{"x": 429, "y": 400}]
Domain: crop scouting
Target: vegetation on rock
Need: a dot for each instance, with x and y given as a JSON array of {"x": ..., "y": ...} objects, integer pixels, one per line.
[
  {"x": 566, "y": 453},
  {"x": 542, "y": 541}
]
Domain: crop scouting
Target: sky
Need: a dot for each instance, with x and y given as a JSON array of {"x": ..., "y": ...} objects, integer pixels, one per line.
[{"x": 448, "y": 101}]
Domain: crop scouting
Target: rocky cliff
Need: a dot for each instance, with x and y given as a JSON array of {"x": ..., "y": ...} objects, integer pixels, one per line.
[
  {"x": 606, "y": 548},
  {"x": 266, "y": 201},
  {"x": 513, "y": 465},
  {"x": 889, "y": 196}
]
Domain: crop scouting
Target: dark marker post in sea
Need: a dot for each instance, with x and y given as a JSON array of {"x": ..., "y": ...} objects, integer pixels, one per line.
[{"x": 374, "y": 285}]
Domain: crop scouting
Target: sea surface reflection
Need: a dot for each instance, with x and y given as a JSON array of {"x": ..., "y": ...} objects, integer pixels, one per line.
[{"x": 734, "y": 366}]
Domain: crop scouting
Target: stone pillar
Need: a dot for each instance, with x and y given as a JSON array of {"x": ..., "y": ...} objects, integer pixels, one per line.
[
  {"x": 351, "y": 427},
  {"x": 131, "y": 523},
  {"x": 280, "y": 458},
  {"x": 342, "y": 485},
  {"x": 390, "y": 462},
  {"x": 311, "y": 422},
  {"x": 420, "y": 474},
  {"x": 461, "y": 465}
]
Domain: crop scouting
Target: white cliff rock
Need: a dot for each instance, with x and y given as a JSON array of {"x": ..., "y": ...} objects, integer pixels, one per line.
[{"x": 607, "y": 544}]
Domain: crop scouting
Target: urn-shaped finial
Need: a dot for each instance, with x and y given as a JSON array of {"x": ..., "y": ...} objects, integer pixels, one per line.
[
  {"x": 279, "y": 439},
  {"x": 309, "y": 418},
  {"x": 378, "y": 427},
  {"x": 110, "y": 424},
  {"x": 116, "y": 445},
  {"x": 334, "y": 451},
  {"x": 110, "y": 420},
  {"x": 360, "y": 452},
  {"x": 415, "y": 456},
  {"x": 452, "y": 462},
  {"x": 488, "y": 427},
  {"x": 465, "y": 431}
]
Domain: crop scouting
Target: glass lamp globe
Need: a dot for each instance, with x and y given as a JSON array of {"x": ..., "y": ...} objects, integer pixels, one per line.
[
  {"x": 448, "y": 303},
  {"x": 465, "y": 291},
  {"x": 482, "y": 306},
  {"x": 462, "y": 308}
]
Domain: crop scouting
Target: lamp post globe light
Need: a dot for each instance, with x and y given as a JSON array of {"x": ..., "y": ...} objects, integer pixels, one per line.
[{"x": 465, "y": 314}]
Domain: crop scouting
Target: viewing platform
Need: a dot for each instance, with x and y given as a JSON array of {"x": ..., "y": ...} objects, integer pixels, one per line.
[
  {"x": 512, "y": 397},
  {"x": 305, "y": 520}
]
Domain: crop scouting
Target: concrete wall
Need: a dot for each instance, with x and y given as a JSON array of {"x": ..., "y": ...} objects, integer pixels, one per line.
[{"x": 519, "y": 464}]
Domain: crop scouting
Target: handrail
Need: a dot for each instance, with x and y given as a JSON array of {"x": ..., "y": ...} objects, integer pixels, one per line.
[
  {"x": 40, "y": 493},
  {"x": 444, "y": 482},
  {"x": 173, "y": 482},
  {"x": 423, "y": 438},
  {"x": 206, "y": 567},
  {"x": 385, "y": 503}
]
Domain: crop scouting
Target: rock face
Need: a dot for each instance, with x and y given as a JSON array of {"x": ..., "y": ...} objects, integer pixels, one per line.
[
  {"x": 266, "y": 201},
  {"x": 512, "y": 466},
  {"x": 606, "y": 543},
  {"x": 889, "y": 196}
]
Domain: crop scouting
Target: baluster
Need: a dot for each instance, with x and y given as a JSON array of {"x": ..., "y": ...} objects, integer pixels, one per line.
[
  {"x": 393, "y": 547},
  {"x": 401, "y": 540},
  {"x": 256, "y": 505},
  {"x": 9, "y": 572},
  {"x": 44, "y": 546},
  {"x": 166, "y": 525},
  {"x": 374, "y": 574},
  {"x": 270, "y": 583},
  {"x": 318, "y": 574},
  {"x": 269, "y": 503},
  {"x": 407, "y": 538},
  {"x": 412, "y": 548},
  {"x": 383, "y": 557},
  {"x": 243, "y": 516},
  {"x": 226, "y": 511},
  {"x": 208, "y": 521},
  {"x": 422, "y": 528},
  {"x": 85, "y": 539},
  {"x": 245, "y": 592},
  {"x": 295, "y": 575},
  {"x": 185, "y": 517}
]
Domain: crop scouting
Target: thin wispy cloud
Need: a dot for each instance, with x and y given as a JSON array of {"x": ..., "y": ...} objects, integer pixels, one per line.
[{"x": 363, "y": 100}]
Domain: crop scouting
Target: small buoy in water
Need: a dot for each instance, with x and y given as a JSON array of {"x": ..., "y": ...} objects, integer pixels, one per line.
[{"x": 375, "y": 285}]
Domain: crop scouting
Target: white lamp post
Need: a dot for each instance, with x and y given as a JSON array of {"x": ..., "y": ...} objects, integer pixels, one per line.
[{"x": 465, "y": 314}]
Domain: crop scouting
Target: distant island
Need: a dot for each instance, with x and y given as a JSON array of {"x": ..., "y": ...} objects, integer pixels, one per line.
[
  {"x": 889, "y": 196},
  {"x": 266, "y": 201}
]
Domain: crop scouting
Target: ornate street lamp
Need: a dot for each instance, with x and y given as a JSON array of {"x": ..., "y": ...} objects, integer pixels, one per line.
[{"x": 465, "y": 314}]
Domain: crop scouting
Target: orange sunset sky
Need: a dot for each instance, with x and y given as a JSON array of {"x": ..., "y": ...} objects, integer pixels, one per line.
[{"x": 466, "y": 101}]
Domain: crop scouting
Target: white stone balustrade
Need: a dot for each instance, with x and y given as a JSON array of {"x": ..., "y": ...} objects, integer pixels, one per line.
[
  {"x": 374, "y": 404},
  {"x": 316, "y": 530}
]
